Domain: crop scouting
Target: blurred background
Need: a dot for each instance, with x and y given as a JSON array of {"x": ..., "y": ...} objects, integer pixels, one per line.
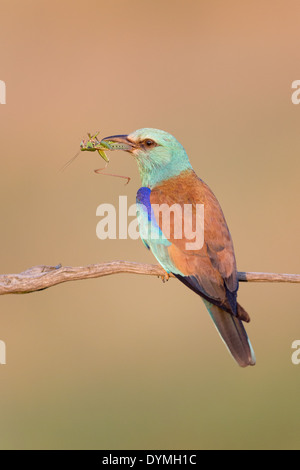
[{"x": 127, "y": 362}]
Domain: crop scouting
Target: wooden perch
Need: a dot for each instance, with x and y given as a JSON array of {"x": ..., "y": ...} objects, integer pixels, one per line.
[{"x": 42, "y": 277}]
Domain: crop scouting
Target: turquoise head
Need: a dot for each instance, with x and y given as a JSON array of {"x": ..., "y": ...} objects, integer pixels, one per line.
[{"x": 159, "y": 155}]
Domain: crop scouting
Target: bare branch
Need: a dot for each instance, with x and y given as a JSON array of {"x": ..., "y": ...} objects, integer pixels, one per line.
[
  {"x": 42, "y": 277},
  {"x": 268, "y": 277}
]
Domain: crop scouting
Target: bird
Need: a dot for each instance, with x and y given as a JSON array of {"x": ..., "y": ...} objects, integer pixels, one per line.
[{"x": 209, "y": 268}]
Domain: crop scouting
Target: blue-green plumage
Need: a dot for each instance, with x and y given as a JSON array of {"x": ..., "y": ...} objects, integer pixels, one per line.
[{"x": 169, "y": 158}]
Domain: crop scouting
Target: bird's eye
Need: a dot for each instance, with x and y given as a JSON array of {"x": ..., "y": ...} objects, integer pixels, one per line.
[{"x": 149, "y": 143}]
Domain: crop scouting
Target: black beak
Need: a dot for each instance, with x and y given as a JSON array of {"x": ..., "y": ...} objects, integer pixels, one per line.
[{"x": 118, "y": 142}]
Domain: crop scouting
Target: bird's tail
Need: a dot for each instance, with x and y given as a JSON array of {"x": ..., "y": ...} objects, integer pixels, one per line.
[{"x": 234, "y": 335}]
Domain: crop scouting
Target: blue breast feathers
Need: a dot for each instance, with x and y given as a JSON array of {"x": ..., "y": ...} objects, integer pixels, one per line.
[
  {"x": 150, "y": 232},
  {"x": 143, "y": 198}
]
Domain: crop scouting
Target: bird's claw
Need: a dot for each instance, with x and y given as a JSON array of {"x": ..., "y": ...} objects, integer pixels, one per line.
[{"x": 165, "y": 276}]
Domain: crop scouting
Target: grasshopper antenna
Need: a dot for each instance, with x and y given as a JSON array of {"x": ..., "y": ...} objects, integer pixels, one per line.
[{"x": 69, "y": 162}]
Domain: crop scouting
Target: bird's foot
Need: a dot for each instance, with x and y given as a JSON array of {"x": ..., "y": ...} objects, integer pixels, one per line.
[{"x": 165, "y": 276}]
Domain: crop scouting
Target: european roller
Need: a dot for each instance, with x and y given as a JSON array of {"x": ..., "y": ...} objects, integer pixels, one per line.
[{"x": 208, "y": 268}]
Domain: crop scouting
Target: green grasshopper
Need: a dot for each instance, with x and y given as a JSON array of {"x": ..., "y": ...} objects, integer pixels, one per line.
[{"x": 94, "y": 144}]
